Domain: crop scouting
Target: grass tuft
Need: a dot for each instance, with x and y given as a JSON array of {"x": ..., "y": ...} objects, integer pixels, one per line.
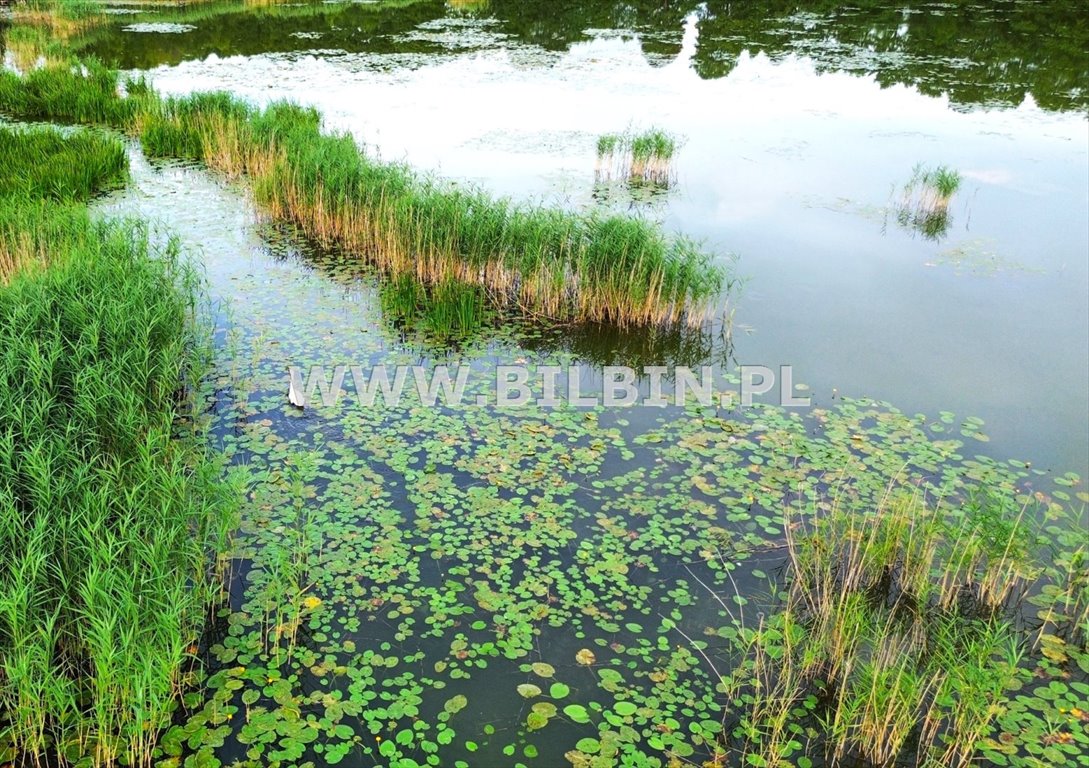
[
  {"x": 893, "y": 643},
  {"x": 643, "y": 157},
  {"x": 924, "y": 202}
]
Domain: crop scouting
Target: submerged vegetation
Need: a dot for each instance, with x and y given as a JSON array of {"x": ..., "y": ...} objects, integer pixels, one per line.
[
  {"x": 549, "y": 593},
  {"x": 645, "y": 156},
  {"x": 552, "y": 263},
  {"x": 109, "y": 525},
  {"x": 924, "y": 202}
]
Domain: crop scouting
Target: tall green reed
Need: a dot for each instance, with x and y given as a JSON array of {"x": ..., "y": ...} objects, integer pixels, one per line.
[
  {"x": 895, "y": 641},
  {"x": 110, "y": 527},
  {"x": 554, "y": 263},
  {"x": 44, "y": 163},
  {"x": 644, "y": 156}
]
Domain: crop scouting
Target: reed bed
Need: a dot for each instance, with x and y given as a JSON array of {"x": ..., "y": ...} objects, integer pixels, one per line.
[
  {"x": 75, "y": 93},
  {"x": 109, "y": 525},
  {"x": 643, "y": 157},
  {"x": 444, "y": 312},
  {"x": 44, "y": 163},
  {"x": 548, "y": 262},
  {"x": 27, "y": 232},
  {"x": 892, "y": 646}
]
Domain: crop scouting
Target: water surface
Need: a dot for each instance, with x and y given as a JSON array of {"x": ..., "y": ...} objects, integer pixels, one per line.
[
  {"x": 800, "y": 129},
  {"x": 429, "y": 554}
]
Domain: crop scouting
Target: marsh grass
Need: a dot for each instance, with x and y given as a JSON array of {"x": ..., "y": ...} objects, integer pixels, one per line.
[
  {"x": 109, "y": 525},
  {"x": 894, "y": 643},
  {"x": 27, "y": 232},
  {"x": 448, "y": 311},
  {"x": 1063, "y": 599},
  {"x": 544, "y": 261},
  {"x": 924, "y": 201},
  {"x": 637, "y": 157},
  {"x": 43, "y": 163},
  {"x": 547, "y": 262},
  {"x": 76, "y": 93}
]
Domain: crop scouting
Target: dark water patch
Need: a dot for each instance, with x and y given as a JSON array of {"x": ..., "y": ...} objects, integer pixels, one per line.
[{"x": 979, "y": 54}]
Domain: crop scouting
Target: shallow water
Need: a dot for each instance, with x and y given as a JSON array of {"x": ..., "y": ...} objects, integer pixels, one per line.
[
  {"x": 799, "y": 132},
  {"x": 450, "y": 548},
  {"x": 446, "y": 551}
]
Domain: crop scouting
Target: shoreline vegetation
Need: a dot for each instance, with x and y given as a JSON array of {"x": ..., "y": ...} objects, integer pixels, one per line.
[
  {"x": 897, "y": 631},
  {"x": 112, "y": 527},
  {"x": 545, "y": 262}
]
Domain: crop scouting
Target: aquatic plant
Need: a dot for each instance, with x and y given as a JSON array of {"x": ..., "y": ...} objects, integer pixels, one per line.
[
  {"x": 563, "y": 265},
  {"x": 608, "y": 143},
  {"x": 77, "y": 92},
  {"x": 645, "y": 156},
  {"x": 43, "y": 163},
  {"x": 407, "y": 560},
  {"x": 446, "y": 311},
  {"x": 109, "y": 525},
  {"x": 889, "y": 618},
  {"x": 924, "y": 202},
  {"x": 489, "y": 587},
  {"x": 944, "y": 181}
]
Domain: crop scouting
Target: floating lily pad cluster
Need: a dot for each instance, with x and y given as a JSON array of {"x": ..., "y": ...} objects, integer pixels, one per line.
[{"x": 470, "y": 585}]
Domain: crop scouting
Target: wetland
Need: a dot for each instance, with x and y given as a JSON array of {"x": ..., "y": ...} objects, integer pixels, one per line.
[{"x": 891, "y": 200}]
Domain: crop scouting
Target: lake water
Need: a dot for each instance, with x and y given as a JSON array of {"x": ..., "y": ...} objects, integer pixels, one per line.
[
  {"x": 425, "y": 555},
  {"x": 799, "y": 129}
]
